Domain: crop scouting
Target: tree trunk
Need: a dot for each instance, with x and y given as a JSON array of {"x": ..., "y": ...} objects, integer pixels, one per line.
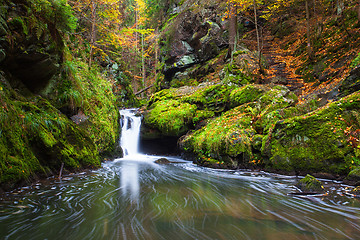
[
  {"x": 309, "y": 49},
  {"x": 257, "y": 36},
  {"x": 156, "y": 52},
  {"x": 93, "y": 31},
  {"x": 143, "y": 62},
  {"x": 358, "y": 12},
  {"x": 232, "y": 30},
  {"x": 136, "y": 26}
]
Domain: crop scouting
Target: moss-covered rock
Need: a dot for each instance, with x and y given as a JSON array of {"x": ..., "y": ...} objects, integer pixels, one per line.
[
  {"x": 36, "y": 138},
  {"x": 354, "y": 175},
  {"x": 229, "y": 138},
  {"x": 241, "y": 69},
  {"x": 213, "y": 98},
  {"x": 267, "y": 128},
  {"x": 226, "y": 138},
  {"x": 310, "y": 184},
  {"x": 248, "y": 93},
  {"x": 171, "y": 117},
  {"x": 316, "y": 142},
  {"x": 41, "y": 87},
  {"x": 85, "y": 91}
]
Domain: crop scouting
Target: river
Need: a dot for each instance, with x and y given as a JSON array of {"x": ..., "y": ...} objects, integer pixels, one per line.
[{"x": 134, "y": 198}]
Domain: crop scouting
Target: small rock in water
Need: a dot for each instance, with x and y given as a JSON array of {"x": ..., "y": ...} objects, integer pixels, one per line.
[
  {"x": 355, "y": 192},
  {"x": 162, "y": 161},
  {"x": 309, "y": 184}
]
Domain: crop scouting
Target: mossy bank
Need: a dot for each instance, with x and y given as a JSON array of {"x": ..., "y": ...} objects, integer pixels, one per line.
[{"x": 54, "y": 109}]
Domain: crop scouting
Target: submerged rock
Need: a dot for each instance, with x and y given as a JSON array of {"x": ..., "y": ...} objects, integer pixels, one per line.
[
  {"x": 162, "y": 161},
  {"x": 355, "y": 192}
]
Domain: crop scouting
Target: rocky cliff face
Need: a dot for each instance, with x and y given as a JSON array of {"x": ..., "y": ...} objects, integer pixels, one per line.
[
  {"x": 191, "y": 37},
  {"x": 31, "y": 43}
]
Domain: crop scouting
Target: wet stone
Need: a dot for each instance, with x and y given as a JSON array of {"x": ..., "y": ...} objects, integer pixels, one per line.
[{"x": 162, "y": 161}]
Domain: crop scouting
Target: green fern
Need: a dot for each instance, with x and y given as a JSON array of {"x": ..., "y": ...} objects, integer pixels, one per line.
[
  {"x": 20, "y": 22},
  {"x": 3, "y": 24},
  {"x": 57, "y": 13}
]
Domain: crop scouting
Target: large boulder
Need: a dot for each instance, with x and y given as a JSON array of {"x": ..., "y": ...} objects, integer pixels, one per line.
[
  {"x": 171, "y": 117},
  {"x": 191, "y": 38},
  {"x": 233, "y": 139},
  {"x": 320, "y": 141}
]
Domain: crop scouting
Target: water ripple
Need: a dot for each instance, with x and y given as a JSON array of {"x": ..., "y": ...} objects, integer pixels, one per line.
[{"x": 137, "y": 199}]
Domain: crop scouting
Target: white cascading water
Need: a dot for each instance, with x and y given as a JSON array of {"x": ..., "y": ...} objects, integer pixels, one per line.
[{"x": 130, "y": 132}]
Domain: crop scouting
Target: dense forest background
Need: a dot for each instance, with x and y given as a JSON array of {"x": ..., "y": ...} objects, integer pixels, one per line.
[{"x": 280, "y": 78}]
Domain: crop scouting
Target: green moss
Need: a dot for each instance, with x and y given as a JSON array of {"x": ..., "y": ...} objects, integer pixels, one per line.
[
  {"x": 354, "y": 175},
  {"x": 355, "y": 62},
  {"x": 315, "y": 142},
  {"x": 171, "y": 117},
  {"x": 248, "y": 93},
  {"x": 213, "y": 98},
  {"x": 47, "y": 138},
  {"x": 36, "y": 138},
  {"x": 236, "y": 134},
  {"x": 175, "y": 83},
  {"x": 162, "y": 95},
  {"x": 86, "y": 91},
  {"x": 202, "y": 115},
  {"x": 310, "y": 184},
  {"x": 226, "y": 138}
]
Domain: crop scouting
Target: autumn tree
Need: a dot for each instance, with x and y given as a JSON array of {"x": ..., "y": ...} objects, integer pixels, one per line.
[
  {"x": 278, "y": 7},
  {"x": 99, "y": 25}
]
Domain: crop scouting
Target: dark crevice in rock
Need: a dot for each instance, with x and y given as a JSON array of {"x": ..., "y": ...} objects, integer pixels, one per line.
[{"x": 159, "y": 146}]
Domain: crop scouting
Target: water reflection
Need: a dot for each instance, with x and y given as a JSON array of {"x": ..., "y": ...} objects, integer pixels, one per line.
[
  {"x": 137, "y": 199},
  {"x": 130, "y": 180}
]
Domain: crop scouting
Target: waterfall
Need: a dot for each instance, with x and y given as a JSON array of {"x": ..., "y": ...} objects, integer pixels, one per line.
[{"x": 130, "y": 132}]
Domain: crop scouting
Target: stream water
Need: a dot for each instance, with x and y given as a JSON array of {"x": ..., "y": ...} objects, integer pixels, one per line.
[{"x": 134, "y": 198}]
